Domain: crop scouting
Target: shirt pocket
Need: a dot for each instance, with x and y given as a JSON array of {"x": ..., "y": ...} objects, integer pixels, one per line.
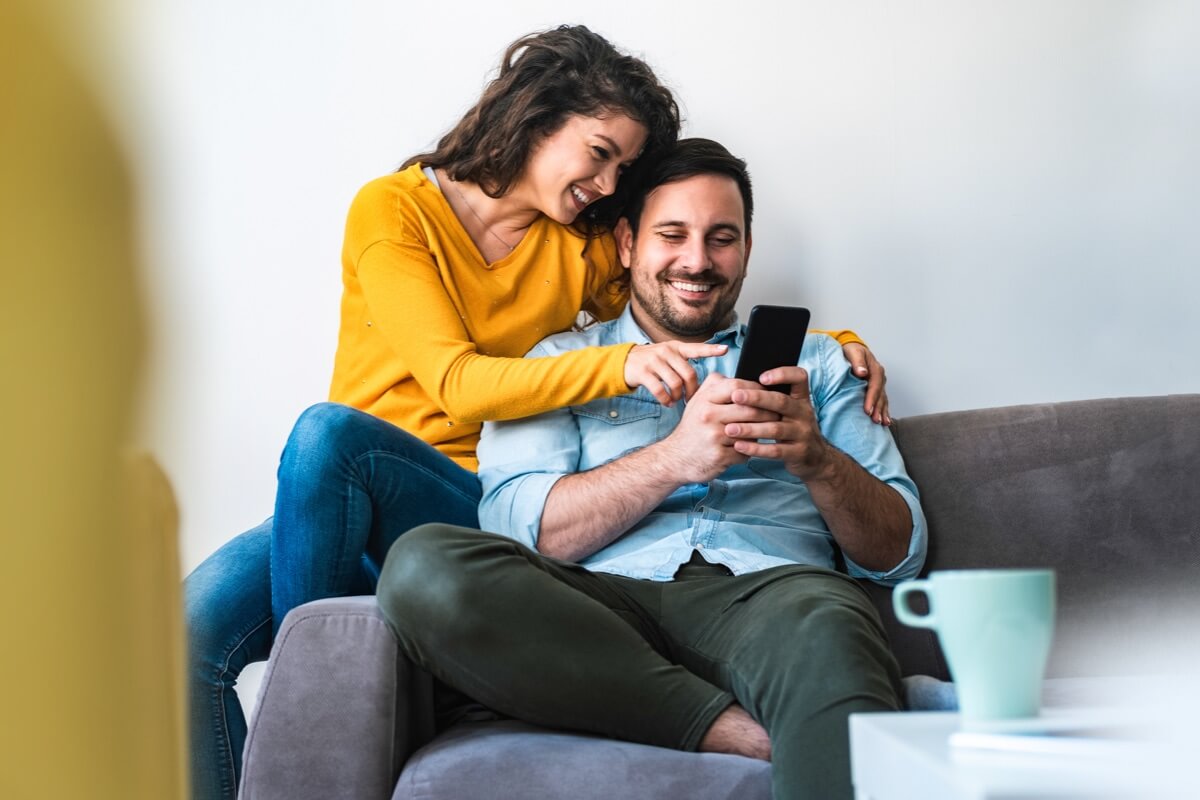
[{"x": 611, "y": 427}]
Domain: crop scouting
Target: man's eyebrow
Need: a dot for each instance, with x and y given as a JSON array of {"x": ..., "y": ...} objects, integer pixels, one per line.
[{"x": 732, "y": 227}]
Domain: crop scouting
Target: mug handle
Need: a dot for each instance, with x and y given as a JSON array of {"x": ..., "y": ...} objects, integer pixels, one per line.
[{"x": 904, "y": 613}]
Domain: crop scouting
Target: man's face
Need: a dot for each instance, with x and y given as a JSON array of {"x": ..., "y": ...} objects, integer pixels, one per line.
[{"x": 689, "y": 258}]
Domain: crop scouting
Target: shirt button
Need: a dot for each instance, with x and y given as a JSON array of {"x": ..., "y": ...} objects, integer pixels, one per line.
[{"x": 613, "y": 414}]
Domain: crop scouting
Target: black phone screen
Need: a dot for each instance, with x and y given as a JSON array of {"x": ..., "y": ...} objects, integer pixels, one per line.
[{"x": 774, "y": 338}]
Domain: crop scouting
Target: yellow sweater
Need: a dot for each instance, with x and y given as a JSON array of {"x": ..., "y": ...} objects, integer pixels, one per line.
[{"x": 433, "y": 337}]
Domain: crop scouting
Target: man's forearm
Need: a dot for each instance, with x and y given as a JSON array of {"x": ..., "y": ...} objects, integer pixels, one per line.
[
  {"x": 869, "y": 519},
  {"x": 587, "y": 510}
]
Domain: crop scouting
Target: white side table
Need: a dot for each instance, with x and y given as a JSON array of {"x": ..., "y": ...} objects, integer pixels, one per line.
[{"x": 907, "y": 756}]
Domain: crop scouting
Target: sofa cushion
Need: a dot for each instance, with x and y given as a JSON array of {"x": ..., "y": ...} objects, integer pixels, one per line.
[
  {"x": 1099, "y": 490},
  {"x": 510, "y": 759},
  {"x": 507, "y": 758}
]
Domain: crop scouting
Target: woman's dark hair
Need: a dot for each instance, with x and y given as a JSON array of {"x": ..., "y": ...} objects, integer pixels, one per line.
[
  {"x": 544, "y": 78},
  {"x": 687, "y": 158}
]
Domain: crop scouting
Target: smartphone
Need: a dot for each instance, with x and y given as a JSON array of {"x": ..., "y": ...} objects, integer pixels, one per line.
[{"x": 774, "y": 338}]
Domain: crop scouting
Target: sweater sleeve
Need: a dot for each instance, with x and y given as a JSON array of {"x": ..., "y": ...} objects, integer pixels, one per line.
[
  {"x": 409, "y": 303},
  {"x": 843, "y": 337}
]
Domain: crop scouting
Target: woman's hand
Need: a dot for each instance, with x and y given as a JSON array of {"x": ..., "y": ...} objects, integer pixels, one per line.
[
  {"x": 664, "y": 370},
  {"x": 864, "y": 365}
]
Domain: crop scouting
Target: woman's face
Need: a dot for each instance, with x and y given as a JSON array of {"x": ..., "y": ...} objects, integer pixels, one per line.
[{"x": 579, "y": 163}]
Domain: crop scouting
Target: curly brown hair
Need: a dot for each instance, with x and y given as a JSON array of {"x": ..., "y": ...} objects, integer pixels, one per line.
[{"x": 544, "y": 78}]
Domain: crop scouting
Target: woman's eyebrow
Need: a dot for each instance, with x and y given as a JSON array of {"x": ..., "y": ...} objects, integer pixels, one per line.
[{"x": 616, "y": 148}]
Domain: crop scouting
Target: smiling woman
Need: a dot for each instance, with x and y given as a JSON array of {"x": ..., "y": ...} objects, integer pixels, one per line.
[
  {"x": 581, "y": 163},
  {"x": 453, "y": 268}
]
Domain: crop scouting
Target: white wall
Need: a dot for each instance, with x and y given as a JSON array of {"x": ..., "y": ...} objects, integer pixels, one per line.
[{"x": 1002, "y": 197}]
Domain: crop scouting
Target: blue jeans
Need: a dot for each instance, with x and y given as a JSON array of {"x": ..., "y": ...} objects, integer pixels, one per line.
[{"x": 349, "y": 485}]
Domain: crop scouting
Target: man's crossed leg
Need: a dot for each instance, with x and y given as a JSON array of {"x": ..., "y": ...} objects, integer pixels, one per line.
[{"x": 668, "y": 663}]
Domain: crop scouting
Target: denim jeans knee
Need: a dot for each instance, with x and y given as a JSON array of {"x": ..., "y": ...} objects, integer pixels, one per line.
[{"x": 351, "y": 484}]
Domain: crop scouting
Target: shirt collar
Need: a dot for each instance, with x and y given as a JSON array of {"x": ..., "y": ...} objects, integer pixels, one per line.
[{"x": 629, "y": 331}]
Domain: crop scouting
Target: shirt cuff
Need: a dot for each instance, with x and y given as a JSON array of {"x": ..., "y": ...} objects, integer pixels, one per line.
[
  {"x": 911, "y": 565},
  {"x": 520, "y": 520}
]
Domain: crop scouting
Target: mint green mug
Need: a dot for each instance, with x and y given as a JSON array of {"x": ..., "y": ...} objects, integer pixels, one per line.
[{"x": 995, "y": 627}]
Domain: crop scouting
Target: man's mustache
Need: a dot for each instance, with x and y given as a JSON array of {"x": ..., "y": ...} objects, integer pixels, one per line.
[{"x": 708, "y": 276}]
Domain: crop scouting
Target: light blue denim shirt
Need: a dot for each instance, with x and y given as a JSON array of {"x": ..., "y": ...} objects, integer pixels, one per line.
[{"x": 754, "y": 516}]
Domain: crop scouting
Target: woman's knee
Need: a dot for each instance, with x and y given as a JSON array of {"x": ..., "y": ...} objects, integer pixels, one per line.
[
  {"x": 330, "y": 439},
  {"x": 321, "y": 428}
]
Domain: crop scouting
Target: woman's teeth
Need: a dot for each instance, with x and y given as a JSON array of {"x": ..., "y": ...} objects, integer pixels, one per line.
[{"x": 579, "y": 195}]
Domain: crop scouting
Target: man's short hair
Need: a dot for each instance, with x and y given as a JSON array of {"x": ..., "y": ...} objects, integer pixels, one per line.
[{"x": 684, "y": 159}]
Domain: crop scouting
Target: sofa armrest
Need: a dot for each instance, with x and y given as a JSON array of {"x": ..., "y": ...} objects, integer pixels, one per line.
[{"x": 339, "y": 710}]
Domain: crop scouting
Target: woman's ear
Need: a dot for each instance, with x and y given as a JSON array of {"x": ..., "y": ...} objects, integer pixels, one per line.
[{"x": 623, "y": 233}]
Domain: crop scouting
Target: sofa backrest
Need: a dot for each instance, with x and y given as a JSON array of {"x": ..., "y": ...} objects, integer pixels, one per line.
[{"x": 1103, "y": 491}]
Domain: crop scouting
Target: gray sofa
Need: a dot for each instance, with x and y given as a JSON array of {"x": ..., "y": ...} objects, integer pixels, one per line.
[{"x": 1103, "y": 491}]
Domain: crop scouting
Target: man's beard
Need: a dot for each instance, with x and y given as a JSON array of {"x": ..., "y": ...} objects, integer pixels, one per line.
[{"x": 654, "y": 301}]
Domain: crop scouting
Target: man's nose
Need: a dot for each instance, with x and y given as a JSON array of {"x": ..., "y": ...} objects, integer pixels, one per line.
[{"x": 695, "y": 255}]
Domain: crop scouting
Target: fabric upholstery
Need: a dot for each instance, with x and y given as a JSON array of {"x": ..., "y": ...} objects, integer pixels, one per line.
[
  {"x": 1099, "y": 490},
  {"x": 512, "y": 759},
  {"x": 339, "y": 709}
]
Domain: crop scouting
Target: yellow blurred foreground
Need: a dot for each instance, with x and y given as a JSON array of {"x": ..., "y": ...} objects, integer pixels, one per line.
[{"x": 89, "y": 583}]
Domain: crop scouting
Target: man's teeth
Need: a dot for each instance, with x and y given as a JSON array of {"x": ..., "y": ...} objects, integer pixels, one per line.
[
  {"x": 579, "y": 195},
  {"x": 691, "y": 287}
]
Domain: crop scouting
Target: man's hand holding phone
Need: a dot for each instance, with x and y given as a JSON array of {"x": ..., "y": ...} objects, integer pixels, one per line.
[
  {"x": 798, "y": 441},
  {"x": 699, "y": 448}
]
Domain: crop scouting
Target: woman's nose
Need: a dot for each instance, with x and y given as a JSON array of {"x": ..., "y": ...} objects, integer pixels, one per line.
[{"x": 606, "y": 181}]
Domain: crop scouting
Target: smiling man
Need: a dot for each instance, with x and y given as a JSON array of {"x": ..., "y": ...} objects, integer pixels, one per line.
[
  {"x": 691, "y": 279},
  {"x": 664, "y": 575}
]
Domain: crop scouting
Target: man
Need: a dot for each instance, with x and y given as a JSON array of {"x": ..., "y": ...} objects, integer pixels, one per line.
[{"x": 665, "y": 576}]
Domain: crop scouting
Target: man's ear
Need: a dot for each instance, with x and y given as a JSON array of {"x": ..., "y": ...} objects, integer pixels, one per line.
[
  {"x": 746, "y": 258},
  {"x": 623, "y": 234}
]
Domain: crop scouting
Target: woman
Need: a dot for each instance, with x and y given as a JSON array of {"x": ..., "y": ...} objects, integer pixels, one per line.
[{"x": 453, "y": 268}]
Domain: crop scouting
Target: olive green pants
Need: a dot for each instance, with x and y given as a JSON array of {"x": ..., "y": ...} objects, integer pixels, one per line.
[{"x": 546, "y": 641}]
